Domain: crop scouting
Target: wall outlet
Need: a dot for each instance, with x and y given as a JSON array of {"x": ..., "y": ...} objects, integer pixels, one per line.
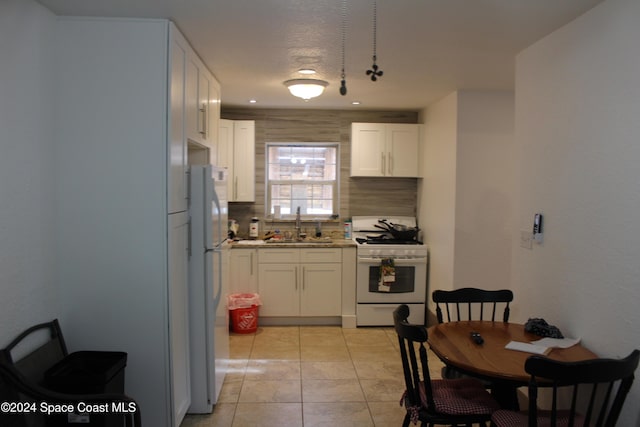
[{"x": 526, "y": 239}]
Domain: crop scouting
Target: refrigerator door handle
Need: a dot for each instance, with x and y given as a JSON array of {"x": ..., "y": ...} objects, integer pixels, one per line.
[
  {"x": 189, "y": 245},
  {"x": 218, "y": 280}
]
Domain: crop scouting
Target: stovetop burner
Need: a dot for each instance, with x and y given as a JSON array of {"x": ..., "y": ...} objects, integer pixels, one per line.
[
  {"x": 374, "y": 241},
  {"x": 386, "y": 241}
]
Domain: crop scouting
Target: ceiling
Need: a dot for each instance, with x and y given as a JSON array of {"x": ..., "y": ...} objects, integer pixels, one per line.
[{"x": 426, "y": 48}]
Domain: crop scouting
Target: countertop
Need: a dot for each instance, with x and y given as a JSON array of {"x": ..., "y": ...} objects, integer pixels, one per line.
[{"x": 333, "y": 243}]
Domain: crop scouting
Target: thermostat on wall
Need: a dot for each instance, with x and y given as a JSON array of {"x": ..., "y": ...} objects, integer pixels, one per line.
[{"x": 537, "y": 227}]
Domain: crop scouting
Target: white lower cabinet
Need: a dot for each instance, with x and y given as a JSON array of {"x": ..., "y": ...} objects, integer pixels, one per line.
[
  {"x": 179, "y": 312},
  {"x": 243, "y": 270},
  {"x": 278, "y": 286},
  {"x": 300, "y": 282}
]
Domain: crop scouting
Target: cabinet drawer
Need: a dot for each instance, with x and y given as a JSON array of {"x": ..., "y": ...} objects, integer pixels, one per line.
[
  {"x": 279, "y": 255},
  {"x": 321, "y": 255}
]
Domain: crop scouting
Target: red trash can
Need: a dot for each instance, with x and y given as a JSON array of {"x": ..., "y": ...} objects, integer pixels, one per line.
[{"x": 243, "y": 312}]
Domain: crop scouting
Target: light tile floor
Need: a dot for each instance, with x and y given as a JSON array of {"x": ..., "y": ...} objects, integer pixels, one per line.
[{"x": 312, "y": 376}]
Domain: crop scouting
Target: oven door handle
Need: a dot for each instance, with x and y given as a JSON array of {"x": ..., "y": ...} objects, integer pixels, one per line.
[{"x": 396, "y": 261}]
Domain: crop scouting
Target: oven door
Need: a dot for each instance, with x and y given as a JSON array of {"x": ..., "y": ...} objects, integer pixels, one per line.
[{"x": 410, "y": 283}]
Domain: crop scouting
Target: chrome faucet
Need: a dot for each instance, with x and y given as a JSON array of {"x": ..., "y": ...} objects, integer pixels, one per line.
[{"x": 298, "y": 223}]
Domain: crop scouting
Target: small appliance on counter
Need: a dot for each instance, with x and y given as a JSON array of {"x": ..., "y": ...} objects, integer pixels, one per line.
[
  {"x": 254, "y": 228},
  {"x": 233, "y": 229}
]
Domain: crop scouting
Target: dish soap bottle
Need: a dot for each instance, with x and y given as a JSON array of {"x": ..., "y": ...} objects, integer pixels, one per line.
[{"x": 347, "y": 229}]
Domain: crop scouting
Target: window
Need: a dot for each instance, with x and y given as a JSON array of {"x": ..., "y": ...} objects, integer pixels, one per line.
[{"x": 304, "y": 175}]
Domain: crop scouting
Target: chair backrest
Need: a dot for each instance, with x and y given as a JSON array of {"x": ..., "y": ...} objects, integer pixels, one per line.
[
  {"x": 479, "y": 298},
  {"x": 408, "y": 336},
  {"x": 24, "y": 361},
  {"x": 23, "y": 364},
  {"x": 598, "y": 388},
  {"x": 34, "y": 363}
]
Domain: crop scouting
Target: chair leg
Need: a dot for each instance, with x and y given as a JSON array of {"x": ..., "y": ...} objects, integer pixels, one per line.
[{"x": 406, "y": 421}]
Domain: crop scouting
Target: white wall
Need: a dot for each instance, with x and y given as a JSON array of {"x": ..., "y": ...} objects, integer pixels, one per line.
[
  {"x": 465, "y": 197},
  {"x": 437, "y": 189},
  {"x": 27, "y": 291},
  {"x": 484, "y": 190},
  {"x": 578, "y": 149}
]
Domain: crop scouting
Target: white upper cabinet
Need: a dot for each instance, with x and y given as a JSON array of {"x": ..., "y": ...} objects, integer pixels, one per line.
[
  {"x": 195, "y": 113},
  {"x": 177, "y": 174},
  {"x": 202, "y": 100},
  {"x": 236, "y": 152},
  {"x": 384, "y": 149},
  {"x": 244, "y": 161},
  {"x": 213, "y": 117}
]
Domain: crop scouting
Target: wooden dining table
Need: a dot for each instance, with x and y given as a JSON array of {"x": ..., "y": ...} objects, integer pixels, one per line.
[{"x": 503, "y": 368}]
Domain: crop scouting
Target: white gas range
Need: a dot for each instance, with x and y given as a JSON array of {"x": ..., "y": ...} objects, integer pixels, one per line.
[{"x": 390, "y": 270}]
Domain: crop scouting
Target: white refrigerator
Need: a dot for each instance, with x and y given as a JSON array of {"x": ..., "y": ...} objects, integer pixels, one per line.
[{"x": 208, "y": 285}]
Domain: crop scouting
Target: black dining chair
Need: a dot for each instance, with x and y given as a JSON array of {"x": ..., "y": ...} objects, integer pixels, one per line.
[
  {"x": 439, "y": 401},
  {"x": 474, "y": 300},
  {"x": 597, "y": 390}
]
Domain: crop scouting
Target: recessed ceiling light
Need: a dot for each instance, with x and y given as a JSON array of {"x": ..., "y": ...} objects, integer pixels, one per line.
[
  {"x": 355, "y": 102},
  {"x": 307, "y": 71},
  {"x": 252, "y": 101}
]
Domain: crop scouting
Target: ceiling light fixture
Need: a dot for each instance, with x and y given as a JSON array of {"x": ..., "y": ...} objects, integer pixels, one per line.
[
  {"x": 306, "y": 88},
  {"x": 307, "y": 71}
]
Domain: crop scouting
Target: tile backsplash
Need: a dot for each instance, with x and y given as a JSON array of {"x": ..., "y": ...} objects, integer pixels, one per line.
[{"x": 358, "y": 196}]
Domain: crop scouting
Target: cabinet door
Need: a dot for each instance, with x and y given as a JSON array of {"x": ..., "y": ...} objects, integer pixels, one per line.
[
  {"x": 244, "y": 160},
  {"x": 192, "y": 100},
  {"x": 402, "y": 150},
  {"x": 179, "y": 314},
  {"x": 321, "y": 290},
  {"x": 225, "y": 154},
  {"x": 177, "y": 168},
  {"x": 213, "y": 117},
  {"x": 320, "y": 255},
  {"x": 243, "y": 270},
  {"x": 368, "y": 149},
  {"x": 279, "y": 289},
  {"x": 204, "y": 89}
]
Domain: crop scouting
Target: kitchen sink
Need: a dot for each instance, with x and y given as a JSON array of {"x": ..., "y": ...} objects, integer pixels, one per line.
[{"x": 300, "y": 241}]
